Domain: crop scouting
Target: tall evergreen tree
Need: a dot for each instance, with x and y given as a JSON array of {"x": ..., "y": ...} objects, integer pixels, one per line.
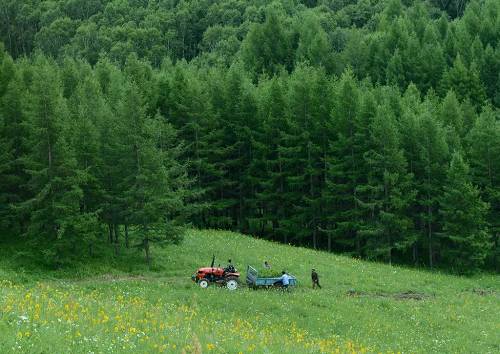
[
  {"x": 346, "y": 164},
  {"x": 429, "y": 176},
  {"x": 56, "y": 222},
  {"x": 184, "y": 101},
  {"x": 451, "y": 116},
  {"x": 14, "y": 148},
  {"x": 464, "y": 82},
  {"x": 465, "y": 237},
  {"x": 90, "y": 112},
  {"x": 387, "y": 194},
  {"x": 484, "y": 152},
  {"x": 309, "y": 105},
  {"x": 266, "y": 48},
  {"x": 272, "y": 195},
  {"x": 155, "y": 183}
]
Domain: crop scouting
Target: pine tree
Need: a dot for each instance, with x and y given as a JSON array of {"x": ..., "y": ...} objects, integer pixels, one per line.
[
  {"x": 56, "y": 222},
  {"x": 111, "y": 151},
  {"x": 13, "y": 150},
  {"x": 484, "y": 152},
  {"x": 408, "y": 126},
  {"x": 266, "y": 48},
  {"x": 387, "y": 194},
  {"x": 464, "y": 82},
  {"x": 187, "y": 106},
  {"x": 432, "y": 59},
  {"x": 313, "y": 46},
  {"x": 155, "y": 183},
  {"x": 394, "y": 71},
  {"x": 450, "y": 115},
  {"x": 90, "y": 112},
  {"x": 346, "y": 164},
  {"x": 237, "y": 116},
  {"x": 272, "y": 192},
  {"x": 489, "y": 73},
  {"x": 309, "y": 104},
  {"x": 464, "y": 236},
  {"x": 429, "y": 170}
]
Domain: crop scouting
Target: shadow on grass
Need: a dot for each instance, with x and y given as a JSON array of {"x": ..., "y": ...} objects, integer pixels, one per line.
[{"x": 21, "y": 264}]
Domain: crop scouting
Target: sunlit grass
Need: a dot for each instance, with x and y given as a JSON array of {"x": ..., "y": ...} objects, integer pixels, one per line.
[{"x": 123, "y": 308}]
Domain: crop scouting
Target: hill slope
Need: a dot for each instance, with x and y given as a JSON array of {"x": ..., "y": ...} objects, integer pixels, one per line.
[{"x": 363, "y": 307}]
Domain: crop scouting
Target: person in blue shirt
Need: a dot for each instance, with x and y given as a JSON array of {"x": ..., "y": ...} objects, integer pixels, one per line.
[{"x": 285, "y": 279}]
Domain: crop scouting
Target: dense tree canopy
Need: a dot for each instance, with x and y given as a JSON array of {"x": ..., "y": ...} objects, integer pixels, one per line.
[{"x": 365, "y": 127}]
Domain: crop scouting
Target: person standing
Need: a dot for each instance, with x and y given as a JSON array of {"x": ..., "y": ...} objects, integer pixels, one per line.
[{"x": 315, "y": 279}]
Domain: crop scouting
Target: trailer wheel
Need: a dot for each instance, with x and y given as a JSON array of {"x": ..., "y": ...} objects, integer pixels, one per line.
[
  {"x": 232, "y": 283},
  {"x": 203, "y": 283}
]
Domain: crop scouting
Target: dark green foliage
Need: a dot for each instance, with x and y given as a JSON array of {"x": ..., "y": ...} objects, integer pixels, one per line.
[
  {"x": 13, "y": 148},
  {"x": 387, "y": 194},
  {"x": 272, "y": 188},
  {"x": 267, "y": 46},
  {"x": 346, "y": 167},
  {"x": 71, "y": 164},
  {"x": 465, "y": 237},
  {"x": 484, "y": 140},
  {"x": 319, "y": 123},
  {"x": 55, "y": 221}
]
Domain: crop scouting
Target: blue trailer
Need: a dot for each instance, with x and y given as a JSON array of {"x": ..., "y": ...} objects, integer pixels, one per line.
[{"x": 254, "y": 281}]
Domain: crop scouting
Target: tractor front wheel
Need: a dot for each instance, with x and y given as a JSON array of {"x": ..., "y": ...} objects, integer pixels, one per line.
[
  {"x": 232, "y": 283},
  {"x": 203, "y": 283}
]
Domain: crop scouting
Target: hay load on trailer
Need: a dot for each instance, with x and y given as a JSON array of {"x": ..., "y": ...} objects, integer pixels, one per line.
[{"x": 254, "y": 281}]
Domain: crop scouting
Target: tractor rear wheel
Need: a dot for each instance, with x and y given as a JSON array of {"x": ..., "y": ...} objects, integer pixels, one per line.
[
  {"x": 232, "y": 283},
  {"x": 203, "y": 283}
]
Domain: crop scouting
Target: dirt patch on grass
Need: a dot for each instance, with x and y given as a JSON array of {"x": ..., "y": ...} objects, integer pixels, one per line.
[
  {"x": 406, "y": 295},
  {"x": 410, "y": 295},
  {"x": 484, "y": 292}
]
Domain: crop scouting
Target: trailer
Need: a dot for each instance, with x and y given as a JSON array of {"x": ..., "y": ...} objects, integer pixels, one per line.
[{"x": 254, "y": 281}]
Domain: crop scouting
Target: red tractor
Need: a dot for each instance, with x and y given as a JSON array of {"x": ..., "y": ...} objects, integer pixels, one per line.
[{"x": 227, "y": 277}]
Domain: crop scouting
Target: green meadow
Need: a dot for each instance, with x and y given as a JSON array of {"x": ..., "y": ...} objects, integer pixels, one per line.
[{"x": 119, "y": 305}]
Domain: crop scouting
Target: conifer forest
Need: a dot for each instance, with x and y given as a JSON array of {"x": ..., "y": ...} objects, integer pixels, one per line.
[{"x": 369, "y": 128}]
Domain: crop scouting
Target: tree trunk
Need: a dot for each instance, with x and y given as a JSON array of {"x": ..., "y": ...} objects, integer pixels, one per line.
[
  {"x": 127, "y": 245},
  {"x": 110, "y": 233},
  {"x": 329, "y": 243},
  {"x": 241, "y": 226},
  {"x": 358, "y": 244},
  {"x": 116, "y": 243},
  {"x": 429, "y": 235},
  {"x": 429, "y": 219},
  {"x": 496, "y": 254},
  {"x": 390, "y": 249},
  {"x": 147, "y": 251}
]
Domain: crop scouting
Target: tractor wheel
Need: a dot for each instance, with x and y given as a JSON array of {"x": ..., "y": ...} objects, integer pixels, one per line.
[
  {"x": 232, "y": 283},
  {"x": 203, "y": 283}
]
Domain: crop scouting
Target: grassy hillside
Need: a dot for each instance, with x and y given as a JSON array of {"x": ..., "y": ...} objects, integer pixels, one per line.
[{"x": 363, "y": 307}]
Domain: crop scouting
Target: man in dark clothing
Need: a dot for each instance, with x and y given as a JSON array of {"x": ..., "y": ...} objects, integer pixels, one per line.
[
  {"x": 315, "y": 279},
  {"x": 230, "y": 268}
]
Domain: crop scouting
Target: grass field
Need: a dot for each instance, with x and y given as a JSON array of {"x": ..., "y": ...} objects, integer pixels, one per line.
[{"x": 120, "y": 306}]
